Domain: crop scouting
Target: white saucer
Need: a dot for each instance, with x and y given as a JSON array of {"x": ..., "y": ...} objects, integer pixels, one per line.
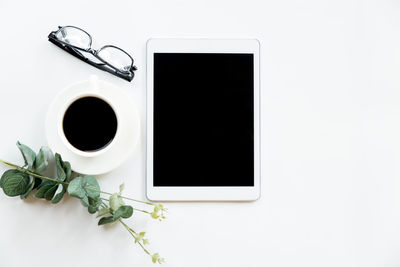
[{"x": 128, "y": 127}]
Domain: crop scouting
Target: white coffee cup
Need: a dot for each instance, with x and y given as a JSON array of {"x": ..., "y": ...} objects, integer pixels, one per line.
[
  {"x": 92, "y": 91},
  {"x": 114, "y": 153}
]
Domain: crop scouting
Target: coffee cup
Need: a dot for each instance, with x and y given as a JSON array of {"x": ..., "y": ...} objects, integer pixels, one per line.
[
  {"x": 92, "y": 109},
  {"x": 88, "y": 122}
]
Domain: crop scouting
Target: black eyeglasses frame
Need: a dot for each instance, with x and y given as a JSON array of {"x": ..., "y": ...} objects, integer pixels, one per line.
[{"x": 104, "y": 65}]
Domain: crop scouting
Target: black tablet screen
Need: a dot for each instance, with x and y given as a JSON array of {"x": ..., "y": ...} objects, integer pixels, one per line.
[{"x": 203, "y": 119}]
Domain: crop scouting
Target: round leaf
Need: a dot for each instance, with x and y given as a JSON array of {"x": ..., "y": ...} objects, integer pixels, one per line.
[
  {"x": 91, "y": 186},
  {"x": 14, "y": 183},
  {"x": 123, "y": 212},
  {"x": 75, "y": 188}
]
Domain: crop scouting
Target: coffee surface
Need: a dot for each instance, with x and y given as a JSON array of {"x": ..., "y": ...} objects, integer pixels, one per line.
[{"x": 90, "y": 124}]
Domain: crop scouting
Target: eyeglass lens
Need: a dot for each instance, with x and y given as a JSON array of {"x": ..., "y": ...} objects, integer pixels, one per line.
[
  {"x": 75, "y": 37},
  {"x": 116, "y": 57},
  {"x": 112, "y": 55}
]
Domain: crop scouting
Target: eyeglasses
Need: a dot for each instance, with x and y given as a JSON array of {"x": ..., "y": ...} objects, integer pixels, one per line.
[{"x": 109, "y": 58}]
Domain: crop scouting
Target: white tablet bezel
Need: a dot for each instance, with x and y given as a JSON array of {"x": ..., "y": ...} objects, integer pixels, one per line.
[{"x": 204, "y": 193}]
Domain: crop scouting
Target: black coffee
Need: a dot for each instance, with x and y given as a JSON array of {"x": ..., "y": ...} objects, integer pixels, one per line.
[{"x": 90, "y": 124}]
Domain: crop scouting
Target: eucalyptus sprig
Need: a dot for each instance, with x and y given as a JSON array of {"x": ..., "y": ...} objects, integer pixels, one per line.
[{"x": 33, "y": 175}]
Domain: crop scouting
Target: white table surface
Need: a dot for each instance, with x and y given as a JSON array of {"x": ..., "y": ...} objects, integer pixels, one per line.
[{"x": 330, "y": 73}]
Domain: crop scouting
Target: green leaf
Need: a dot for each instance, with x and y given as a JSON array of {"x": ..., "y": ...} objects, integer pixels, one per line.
[
  {"x": 75, "y": 188},
  {"x": 30, "y": 188},
  {"x": 50, "y": 193},
  {"x": 106, "y": 220},
  {"x": 85, "y": 201},
  {"x": 92, "y": 209},
  {"x": 91, "y": 186},
  {"x": 45, "y": 183},
  {"x": 37, "y": 183},
  {"x": 59, "y": 194},
  {"x": 2, "y": 180},
  {"x": 123, "y": 212},
  {"x": 94, "y": 205},
  {"x": 115, "y": 201},
  {"x": 63, "y": 168},
  {"x": 84, "y": 188},
  {"x": 67, "y": 169},
  {"x": 103, "y": 211},
  {"x": 87, "y": 189},
  {"x": 60, "y": 170},
  {"x": 28, "y": 154},
  {"x": 14, "y": 183},
  {"x": 43, "y": 188},
  {"x": 42, "y": 159}
]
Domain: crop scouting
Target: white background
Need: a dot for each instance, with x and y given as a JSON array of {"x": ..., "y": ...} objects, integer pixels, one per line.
[{"x": 330, "y": 111}]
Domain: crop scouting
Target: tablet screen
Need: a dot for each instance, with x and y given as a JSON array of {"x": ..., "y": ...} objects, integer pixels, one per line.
[{"x": 203, "y": 119}]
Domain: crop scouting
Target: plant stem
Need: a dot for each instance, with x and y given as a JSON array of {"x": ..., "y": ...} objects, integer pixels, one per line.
[
  {"x": 144, "y": 211},
  {"x": 31, "y": 173},
  {"x": 65, "y": 183},
  {"x": 131, "y": 199},
  {"x": 133, "y": 233},
  {"x": 9, "y": 164},
  {"x": 130, "y": 230}
]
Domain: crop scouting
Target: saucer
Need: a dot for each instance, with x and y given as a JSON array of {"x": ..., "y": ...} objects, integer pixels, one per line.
[{"x": 128, "y": 128}]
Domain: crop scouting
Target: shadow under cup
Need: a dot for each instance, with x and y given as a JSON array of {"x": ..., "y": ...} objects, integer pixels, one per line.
[{"x": 90, "y": 124}]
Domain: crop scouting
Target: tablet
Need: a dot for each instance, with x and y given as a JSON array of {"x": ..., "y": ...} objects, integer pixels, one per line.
[{"x": 203, "y": 120}]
